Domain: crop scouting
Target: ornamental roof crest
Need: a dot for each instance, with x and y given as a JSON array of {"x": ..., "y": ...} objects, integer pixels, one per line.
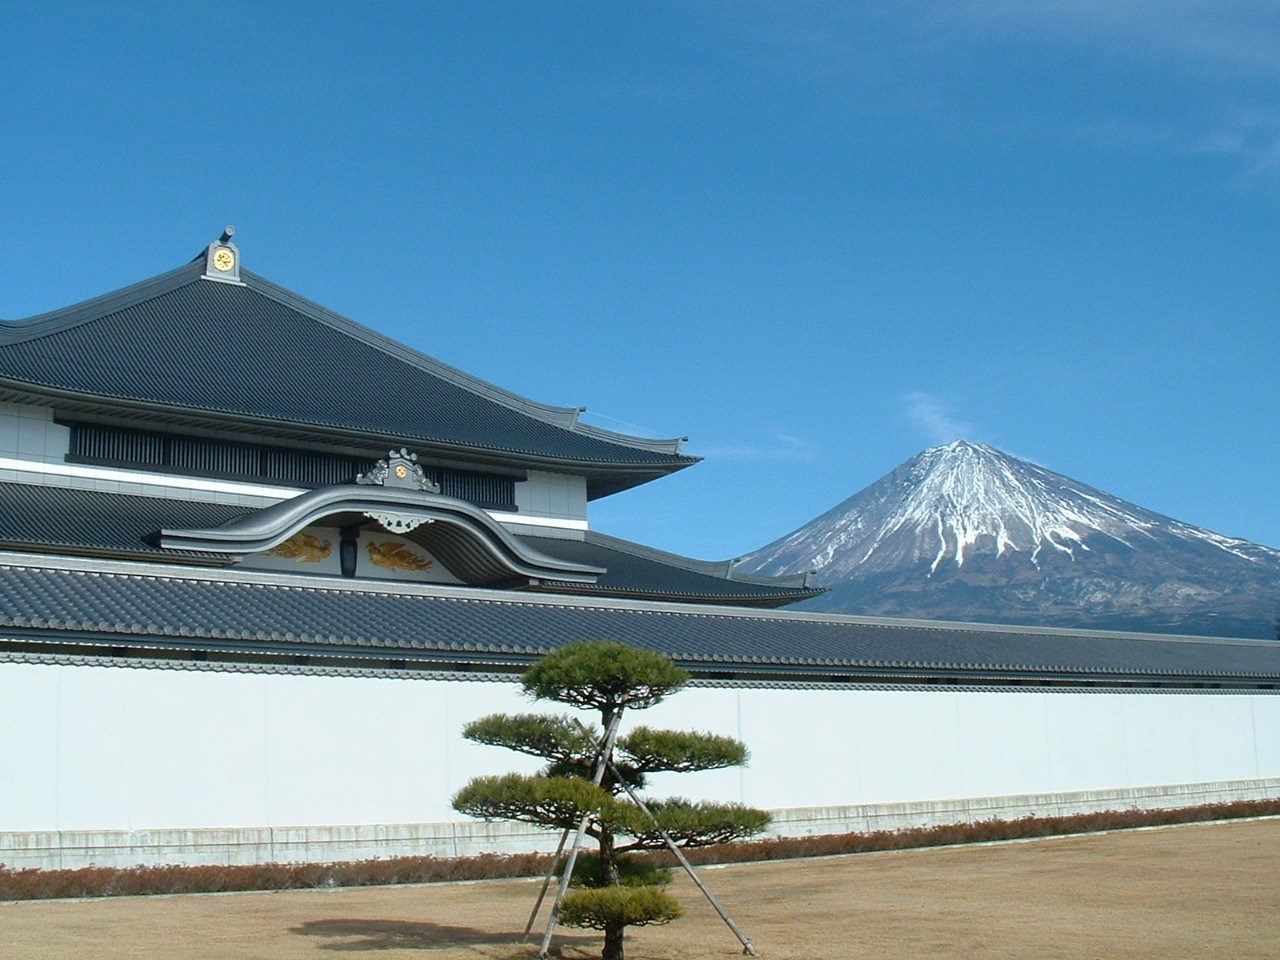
[
  {"x": 400, "y": 469},
  {"x": 222, "y": 259}
]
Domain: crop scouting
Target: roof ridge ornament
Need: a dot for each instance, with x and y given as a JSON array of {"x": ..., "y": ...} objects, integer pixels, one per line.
[
  {"x": 400, "y": 469},
  {"x": 222, "y": 259}
]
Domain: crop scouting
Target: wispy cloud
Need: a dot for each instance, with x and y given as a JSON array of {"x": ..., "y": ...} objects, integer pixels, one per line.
[
  {"x": 622, "y": 426},
  {"x": 933, "y": 416},
  {"x": 1236, "y": 40},
  {"x": 1222, "y": 59},
  {"x": 1151, "y": 76},
  {"x": 1252, "y": 135},
  {"x": 777, "y": 446}
]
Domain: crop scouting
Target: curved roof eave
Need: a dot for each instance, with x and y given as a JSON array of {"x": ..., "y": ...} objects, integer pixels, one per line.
[
  {"x": 612, "y": 476},
  {"x": 725, "y": 569},
  {"x": 616, "y": 471},
  {"x": 479, "y": 543},
  {"x": 763, "y": 601}
]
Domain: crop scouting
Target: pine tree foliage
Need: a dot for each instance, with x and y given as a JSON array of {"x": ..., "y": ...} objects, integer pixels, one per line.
[
  {"x": 559, "y": 802},
  {"x": 679, "y": 751},
  {"x": 612, "y": 892},
  {"x": 604, "y": 676},
  {"x": 688, "y": 823},
  {"x": 619, "y": 906},
  {"x": 558, "y": 739}
]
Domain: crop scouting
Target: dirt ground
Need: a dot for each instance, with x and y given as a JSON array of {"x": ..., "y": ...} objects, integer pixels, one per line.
[{"x": 1201, "y": 891}]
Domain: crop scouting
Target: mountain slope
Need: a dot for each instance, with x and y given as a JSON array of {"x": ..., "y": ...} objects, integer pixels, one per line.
[{"x": 966, "y": 532}]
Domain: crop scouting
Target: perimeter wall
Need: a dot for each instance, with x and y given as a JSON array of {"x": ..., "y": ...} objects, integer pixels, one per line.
[{"x": 124, "y": 765}]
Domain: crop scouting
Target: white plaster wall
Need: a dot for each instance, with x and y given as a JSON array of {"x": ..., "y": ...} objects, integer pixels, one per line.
[
  {"x": 553, "y": 495},
  {"x": 28, "y": 433},
  {"x": 93, "y": 748},
  {"x": 111, "y": 748},
  {"x": 833, "y": 747}
]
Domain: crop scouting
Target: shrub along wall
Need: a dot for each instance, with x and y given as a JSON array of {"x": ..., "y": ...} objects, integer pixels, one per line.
[{"x": 34, "y": 884}]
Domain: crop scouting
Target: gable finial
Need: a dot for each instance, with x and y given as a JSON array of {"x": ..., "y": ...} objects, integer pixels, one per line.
[
  {"x": 222, "y": 259},
  {"x": 400, "y": 469}
]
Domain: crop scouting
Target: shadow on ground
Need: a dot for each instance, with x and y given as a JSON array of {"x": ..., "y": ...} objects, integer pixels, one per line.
[{"x": 355, "y": 935}]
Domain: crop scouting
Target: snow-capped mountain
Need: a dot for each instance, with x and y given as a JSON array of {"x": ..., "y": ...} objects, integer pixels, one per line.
[{"x": 966, "y": 532}]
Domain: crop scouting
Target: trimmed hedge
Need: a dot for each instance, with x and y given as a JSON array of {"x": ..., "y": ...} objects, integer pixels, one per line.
[
  {"x": 36, "y": 884},
  {"x": 785, "y": 848}
]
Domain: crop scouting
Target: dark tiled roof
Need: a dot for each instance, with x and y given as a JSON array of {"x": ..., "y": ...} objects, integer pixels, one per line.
[
  {"x": 633, "y": 570},
  {"x": 135, "y": 607},
  {"x": 96, "y": 522},
  {"x": 90, "y": 522},
  {"x": 260, "y": 353}
]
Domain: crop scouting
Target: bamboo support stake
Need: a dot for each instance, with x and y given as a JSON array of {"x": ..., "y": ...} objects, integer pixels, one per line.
[
  {"x": 603, "y": 762},
  {"x": 684, "y": 862},
  {"x": 555, "y": 861},
  {"x": 546, "y": 882}
]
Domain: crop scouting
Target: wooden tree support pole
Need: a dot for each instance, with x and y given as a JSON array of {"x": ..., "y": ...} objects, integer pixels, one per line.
[
  {"x": 602, "y": 762},
  {"x": 747, "y": 948},
  {"x": 546, "y": 882},
  {"x": 555, "y": 861}
]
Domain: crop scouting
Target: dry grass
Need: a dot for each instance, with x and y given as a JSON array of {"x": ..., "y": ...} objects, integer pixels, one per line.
[{"x": 1205, "y": 891}]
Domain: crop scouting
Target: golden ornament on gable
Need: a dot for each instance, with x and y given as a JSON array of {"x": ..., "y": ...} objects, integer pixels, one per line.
[
  {"x": 303, "y": 548},
  {"x": 396, "y": 556}
]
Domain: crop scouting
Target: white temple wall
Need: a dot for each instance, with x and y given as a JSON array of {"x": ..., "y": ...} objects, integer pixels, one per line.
[
  {"x": 822, "y": 747},
  {"x": 120, "y": 748},
  {"x": 27, "y": 432},
  {"x": 88, "y": 748},
  {"x": 552, "y": 495}
]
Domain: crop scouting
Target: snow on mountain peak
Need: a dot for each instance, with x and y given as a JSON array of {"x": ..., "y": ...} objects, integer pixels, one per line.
[
  {"x": 952, "y": 502},
  {"x": 966, "y": 532}
]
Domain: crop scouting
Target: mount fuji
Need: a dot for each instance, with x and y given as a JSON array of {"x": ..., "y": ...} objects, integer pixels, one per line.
[{"x": 966, "y": 532}]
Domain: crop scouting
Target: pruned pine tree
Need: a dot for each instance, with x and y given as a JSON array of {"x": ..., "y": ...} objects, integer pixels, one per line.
[{"x": 611, "y": 890}]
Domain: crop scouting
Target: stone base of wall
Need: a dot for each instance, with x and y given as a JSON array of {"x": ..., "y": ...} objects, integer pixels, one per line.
[{"x": 249, "y": 845}]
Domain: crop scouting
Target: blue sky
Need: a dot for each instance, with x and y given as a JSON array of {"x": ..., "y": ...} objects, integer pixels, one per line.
[{"x": 815, "y": 238}]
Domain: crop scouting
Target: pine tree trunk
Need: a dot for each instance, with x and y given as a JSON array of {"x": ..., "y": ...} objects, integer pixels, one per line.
[
  {"x": 609, "y": 876},
  {"x": 608, "y": 858},
  {"x": 613, "y": 943}
]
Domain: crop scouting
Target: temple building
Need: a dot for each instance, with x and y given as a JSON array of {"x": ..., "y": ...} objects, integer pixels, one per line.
[{"x": 259, "y": 564}]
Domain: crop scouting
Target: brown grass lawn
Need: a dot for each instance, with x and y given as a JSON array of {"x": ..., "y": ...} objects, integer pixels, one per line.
[{"x": 1198, "y": 891}]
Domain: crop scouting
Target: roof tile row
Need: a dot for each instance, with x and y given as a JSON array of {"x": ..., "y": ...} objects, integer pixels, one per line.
[{"x": 53, "y": 602}]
